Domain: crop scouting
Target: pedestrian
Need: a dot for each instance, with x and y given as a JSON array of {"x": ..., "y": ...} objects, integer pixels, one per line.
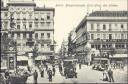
[
  {"x": 42, "y": 72},
  {"x": 2, "y": 79},
  {"x": 35, "y": 77},
  {"x": 50, "y": 75},
  {"x": 53, "y": 65},
  {"x": 53, "y": 69},
  {"x": 105, "y": 75},
  {"x": 110, "y": 74},
  {"x": 60, "y": 69},
  {"x": 46, "y": 67},
  {"x": 79, "y": 65},
  {"x": 65, "y": 71},
  {"x": 28, "y": 68},
  {"x": 7, "y": 76}
]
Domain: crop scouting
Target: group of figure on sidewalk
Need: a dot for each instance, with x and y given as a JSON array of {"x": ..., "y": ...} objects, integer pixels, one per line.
[
  {"x": 50, "y": 72},
  {"x": 108, "y": 75}
]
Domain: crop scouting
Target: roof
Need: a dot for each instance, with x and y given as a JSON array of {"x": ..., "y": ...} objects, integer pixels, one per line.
[
  {"x": 4, "y": 9},
  {"x": 44, "y": 9},
  {"x": 109, "y": 14},
  {"x": 21, "y": 4},
  {"x": 81, "y": 24}
]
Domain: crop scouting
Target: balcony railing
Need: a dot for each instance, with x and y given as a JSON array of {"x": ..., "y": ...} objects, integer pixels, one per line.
[
  {"x": 110, "y": 40},
  {"x": 22, "y": 30}
]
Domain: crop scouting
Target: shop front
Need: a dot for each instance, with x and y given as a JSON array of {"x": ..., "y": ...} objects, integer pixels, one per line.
[
  {"x": 101, "y": 60},
  {"x": 119, "y": 61},
  {"x": 22, "y": 60}
]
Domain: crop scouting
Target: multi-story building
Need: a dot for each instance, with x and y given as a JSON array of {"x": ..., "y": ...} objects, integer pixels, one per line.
[
  {"x": 107, "y": 32},
  {"x": 109, "y": 28},
  {"x": 33, "y": 26},
  {"x": 81, "y": 41},
  {"x": 72, "y": 43}
]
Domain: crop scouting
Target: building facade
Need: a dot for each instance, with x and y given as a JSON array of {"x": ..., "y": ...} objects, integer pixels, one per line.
[
  {"x": 109, "y": 28},
  {"x": 108, "y": 33},
  {"x": 32, "y": 26},
  {"x": 105, "y": 32},
  {"x": 81, "y": 41},
  {"x": 72, "y": 43}
]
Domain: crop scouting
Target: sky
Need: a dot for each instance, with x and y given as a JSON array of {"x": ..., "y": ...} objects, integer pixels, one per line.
[{"x": 69, "y": 13}]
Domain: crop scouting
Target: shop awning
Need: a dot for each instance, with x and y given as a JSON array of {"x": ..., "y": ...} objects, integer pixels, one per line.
[
  {"x": 40, "y": 58},
  {"x": 22, "y": 58},
  {"x": 119, "y": 56}
]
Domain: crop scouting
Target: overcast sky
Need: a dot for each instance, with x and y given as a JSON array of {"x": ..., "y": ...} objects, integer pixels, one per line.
[{"x": 68, "y": 13}]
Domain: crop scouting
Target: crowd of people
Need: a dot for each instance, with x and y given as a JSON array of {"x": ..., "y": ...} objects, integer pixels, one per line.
[
  {"x": 42, "y": 69},
  {"x": 18, "y": 76}
]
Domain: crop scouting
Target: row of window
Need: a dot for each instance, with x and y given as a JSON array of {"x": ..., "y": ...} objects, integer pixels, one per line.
[
  {"x": 123, "y": 36},
  {"x": 42, "y": 45},
  {"x": 30, "y": 16},
  {"x": 42, "y": 35},
  {"x": 108, "y": 46},
  {"x": 104, "y": 27},
  {"x": 30, "y": 35},
  {"x": 5, "y": 25}
]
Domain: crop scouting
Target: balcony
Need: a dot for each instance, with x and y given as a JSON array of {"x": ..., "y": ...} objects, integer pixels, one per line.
[
  {"x": 23, "y": 30},
  {"x": 109, "y": 40},
  {"x": 43, "y": 41}
]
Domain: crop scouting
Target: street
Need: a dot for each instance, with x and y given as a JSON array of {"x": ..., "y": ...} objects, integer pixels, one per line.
[{"x": 85, "y": 75}]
